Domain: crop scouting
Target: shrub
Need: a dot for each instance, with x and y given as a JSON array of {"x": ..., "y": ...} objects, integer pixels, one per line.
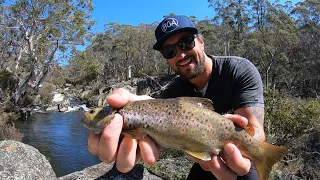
[
  {"x": 9, "y": 132},
  {"x": 287, "y": 117},
  {"x": 45, "y": 93},
  {"x": 7, "y": 81}
]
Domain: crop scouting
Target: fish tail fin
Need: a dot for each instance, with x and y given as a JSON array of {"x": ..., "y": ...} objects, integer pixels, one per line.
[{"x": 268, "y": 156}]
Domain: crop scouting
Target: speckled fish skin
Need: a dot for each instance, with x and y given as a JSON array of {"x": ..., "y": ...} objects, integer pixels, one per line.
[{"x": 189, "y": 124}]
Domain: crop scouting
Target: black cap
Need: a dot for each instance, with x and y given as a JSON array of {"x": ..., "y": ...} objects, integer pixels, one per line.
[{"x": 172, "y": 25}]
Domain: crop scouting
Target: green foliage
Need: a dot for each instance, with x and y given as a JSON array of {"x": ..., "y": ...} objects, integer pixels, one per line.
[
  {"x": 27, "y": 101},
  {"x": 57, "y": 76},
  {"x": 45, "y": 93},
  {"x": 288, "y": 118},
  {"x": 7, "y": 81}
]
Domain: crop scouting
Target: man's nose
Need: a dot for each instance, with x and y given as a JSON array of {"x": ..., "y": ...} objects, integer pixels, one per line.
[{"x": 180, "y": 54}]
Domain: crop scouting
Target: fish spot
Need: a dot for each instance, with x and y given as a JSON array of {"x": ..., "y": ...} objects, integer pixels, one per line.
[{"x": 203, "y": 135}]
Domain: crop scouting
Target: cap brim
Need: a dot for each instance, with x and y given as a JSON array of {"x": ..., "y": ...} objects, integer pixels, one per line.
[{"x": 160, "y": 42}]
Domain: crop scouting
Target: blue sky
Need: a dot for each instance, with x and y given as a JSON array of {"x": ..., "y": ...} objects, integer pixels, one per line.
[{"x": 134, "y": 12}]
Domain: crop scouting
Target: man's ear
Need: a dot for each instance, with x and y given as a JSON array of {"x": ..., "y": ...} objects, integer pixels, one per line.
[{"x": 201, "y": 42}]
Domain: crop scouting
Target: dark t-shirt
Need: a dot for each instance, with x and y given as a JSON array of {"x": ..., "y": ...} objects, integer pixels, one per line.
[{"x": 234, "y": 83}]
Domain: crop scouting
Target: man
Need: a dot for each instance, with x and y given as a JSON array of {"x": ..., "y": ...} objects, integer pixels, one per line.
[{"x": 232, "y": 83}]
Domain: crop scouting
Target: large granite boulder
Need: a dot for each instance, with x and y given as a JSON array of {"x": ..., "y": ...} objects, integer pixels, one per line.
[{"x": 21, "y": 161}]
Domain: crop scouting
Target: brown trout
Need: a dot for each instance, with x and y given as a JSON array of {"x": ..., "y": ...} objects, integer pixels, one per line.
[{"x": 189, "y": 124}]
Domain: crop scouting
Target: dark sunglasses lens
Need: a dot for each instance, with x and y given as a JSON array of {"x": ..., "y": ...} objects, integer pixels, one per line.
[
  {"x": 187, "y": 43},
  {"x": 169, "y": 51}
]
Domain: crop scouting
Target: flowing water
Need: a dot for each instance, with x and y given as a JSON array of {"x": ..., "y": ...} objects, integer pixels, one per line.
[{"x": 61, "y": 138}]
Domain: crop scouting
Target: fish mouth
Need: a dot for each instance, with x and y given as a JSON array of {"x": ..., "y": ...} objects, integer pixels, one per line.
[
  {"x": 97, "y": 119},
  {"x": 92, "y": 129},
  {"x": 86, "y": 122}
]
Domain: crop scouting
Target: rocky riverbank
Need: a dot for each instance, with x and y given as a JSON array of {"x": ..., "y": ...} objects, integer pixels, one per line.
[{"x": 23, "y": 162}]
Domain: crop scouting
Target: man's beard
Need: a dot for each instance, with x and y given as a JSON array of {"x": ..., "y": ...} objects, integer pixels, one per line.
[{"x": 192, "y": 73}]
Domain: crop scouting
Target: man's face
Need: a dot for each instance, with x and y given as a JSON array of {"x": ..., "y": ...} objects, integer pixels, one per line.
[{"x": 188, "y": 64}]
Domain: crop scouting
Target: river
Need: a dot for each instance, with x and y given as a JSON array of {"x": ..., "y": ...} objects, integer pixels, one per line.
[{"x": 61, "y": 138}]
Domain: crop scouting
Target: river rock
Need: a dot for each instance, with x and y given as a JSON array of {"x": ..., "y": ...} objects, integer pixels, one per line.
[
  {"x": 104, "y": 171},
  {"x": 21, "y": 161}
]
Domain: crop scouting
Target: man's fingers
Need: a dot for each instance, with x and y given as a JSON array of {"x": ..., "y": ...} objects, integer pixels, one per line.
[
  {"x": 237, "y": 119},
  {"x": 109, "y": 139},
  {"x": 235, "y": 161},
  {"x": 121, "y": 97},
  {"x": 148, "y": 150},
  {"x": 204, "y": 165},
  {"x": 219, "y": 169},
  {"x": 93, "y": 143},
  {"x": 126, "y": 157}
]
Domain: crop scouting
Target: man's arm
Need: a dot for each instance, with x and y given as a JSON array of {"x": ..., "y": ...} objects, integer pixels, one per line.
[{"x": 255, "y": 116}]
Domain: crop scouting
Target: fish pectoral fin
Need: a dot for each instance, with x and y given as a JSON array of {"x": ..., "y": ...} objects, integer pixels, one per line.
[
  {"x": 134, "y": 133},
  {"x": 205, "y": 156},
  {"x": 250, "y": 130}
]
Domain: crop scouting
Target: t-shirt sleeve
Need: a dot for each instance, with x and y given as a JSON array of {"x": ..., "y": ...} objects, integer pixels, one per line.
[{"x": 248, "y": 88}]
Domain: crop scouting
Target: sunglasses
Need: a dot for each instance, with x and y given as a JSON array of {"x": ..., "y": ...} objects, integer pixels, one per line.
[{"x": 185, "y": 44}]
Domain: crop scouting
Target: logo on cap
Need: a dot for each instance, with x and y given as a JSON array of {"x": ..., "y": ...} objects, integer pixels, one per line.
[{"x": 169, "y": 25}]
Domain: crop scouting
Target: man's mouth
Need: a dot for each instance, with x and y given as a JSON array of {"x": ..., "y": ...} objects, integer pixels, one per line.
[{"x": 185, "y": 62}]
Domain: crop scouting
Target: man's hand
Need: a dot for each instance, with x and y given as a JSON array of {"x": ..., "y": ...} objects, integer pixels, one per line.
[
  {"x": 231, "y": 163},
  {"x": 106, "y": 145}
]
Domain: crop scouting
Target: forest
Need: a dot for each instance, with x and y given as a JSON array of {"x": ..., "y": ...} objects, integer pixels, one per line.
[{"x": 39, "y": 42}]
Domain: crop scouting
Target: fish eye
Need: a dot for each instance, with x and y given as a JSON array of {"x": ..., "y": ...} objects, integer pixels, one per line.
[{"x": 91, "y": 111}]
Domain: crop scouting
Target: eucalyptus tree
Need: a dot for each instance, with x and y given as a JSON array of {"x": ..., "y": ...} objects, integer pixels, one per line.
[
  {"x": 209, "y": 31},
  {"x": 272, "y": 37},
  {"x": 36, "y": 32},
  {"x": 232, "y": 19},
  {"x": 124, "y": 47},
  {"x": 307, "y": 62}
]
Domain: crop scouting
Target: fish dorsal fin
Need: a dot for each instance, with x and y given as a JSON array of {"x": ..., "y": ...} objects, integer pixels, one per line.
[
  {"x": 205, "y": 156},
  {"x": 198, "y": 101},
  {"x": 250, "y": 130}
]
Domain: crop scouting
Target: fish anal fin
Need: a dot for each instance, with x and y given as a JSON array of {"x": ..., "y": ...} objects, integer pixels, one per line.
[
  {"x": 205, "y": 156},
  {"x": 134, "y": 133},
  {"x": 198, "y": 101}
]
